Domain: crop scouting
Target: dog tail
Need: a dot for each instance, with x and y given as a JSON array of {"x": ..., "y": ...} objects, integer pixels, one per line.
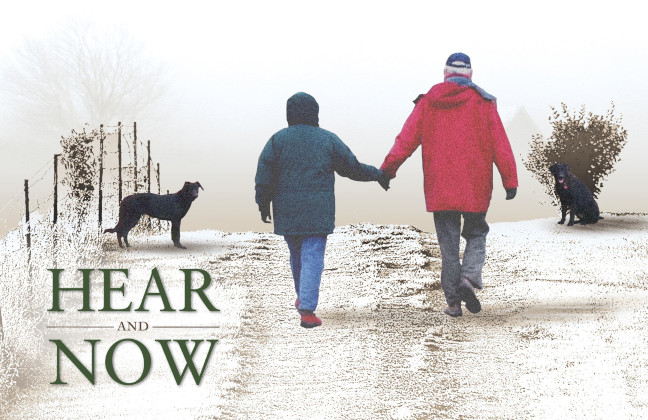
[{"x": 109, "y": 231}]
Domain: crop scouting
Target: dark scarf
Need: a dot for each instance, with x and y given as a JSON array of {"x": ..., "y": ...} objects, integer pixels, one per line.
[{"x": 465, "y": 81}]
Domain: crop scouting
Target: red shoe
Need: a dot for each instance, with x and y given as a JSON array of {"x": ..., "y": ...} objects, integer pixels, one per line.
[{"x": 309, "y": 320}]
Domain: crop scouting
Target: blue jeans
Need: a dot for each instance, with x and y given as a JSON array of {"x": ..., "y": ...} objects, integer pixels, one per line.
[
  {"x": 448, "y": 229},
  {"x": 307, "y": 264}
]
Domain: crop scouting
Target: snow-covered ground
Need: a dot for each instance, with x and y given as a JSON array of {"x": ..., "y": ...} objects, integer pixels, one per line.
[{"x": 563, "y": 332}]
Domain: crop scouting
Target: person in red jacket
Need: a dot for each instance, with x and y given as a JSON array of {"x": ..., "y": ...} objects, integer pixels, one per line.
[{"x": 461, "y": 136}]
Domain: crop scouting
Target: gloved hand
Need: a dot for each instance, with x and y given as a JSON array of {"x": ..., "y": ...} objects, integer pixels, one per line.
[
  {"x": 510, "y": 193},
  {"x": 265, "y": 212},
  {"x": 383, "y": 180}
]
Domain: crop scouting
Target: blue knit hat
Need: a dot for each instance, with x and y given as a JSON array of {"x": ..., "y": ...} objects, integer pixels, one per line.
[{"x": 459, "y": 60}]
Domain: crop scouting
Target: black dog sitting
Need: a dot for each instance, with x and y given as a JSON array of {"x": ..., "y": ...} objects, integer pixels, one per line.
[
  {"x": 171, "y": 207},
  {"x": 575, "y": 196}
]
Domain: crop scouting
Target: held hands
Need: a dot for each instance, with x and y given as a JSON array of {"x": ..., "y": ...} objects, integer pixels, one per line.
[
  {"x": 510, "y": 193},
  {"x": 383, "y": 180}
]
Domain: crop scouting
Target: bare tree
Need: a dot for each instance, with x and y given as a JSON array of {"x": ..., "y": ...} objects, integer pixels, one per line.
[{"x": 80, "y": 75}]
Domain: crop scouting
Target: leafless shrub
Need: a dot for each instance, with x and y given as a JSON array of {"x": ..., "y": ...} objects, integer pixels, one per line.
[{"x": 590, "y": 144}]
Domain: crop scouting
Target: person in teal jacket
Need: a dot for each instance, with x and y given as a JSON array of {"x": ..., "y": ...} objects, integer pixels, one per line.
[{"x": 296, "y": 173}]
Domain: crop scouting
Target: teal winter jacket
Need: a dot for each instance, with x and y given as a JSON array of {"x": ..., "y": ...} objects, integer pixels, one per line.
[{"x": 296, "y": 171}]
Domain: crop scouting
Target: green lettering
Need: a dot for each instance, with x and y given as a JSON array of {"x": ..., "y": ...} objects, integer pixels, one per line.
[
  {"x": 60, "y": 347},
  {"x": 57, "y": 289},
  {"x": 108, "y": 289},
  {"x": 199, "y": 291},
  {"x": 155, "y": 276},
  {"x": 188, "y": 358},
  {"x": 110, "y": 368}
]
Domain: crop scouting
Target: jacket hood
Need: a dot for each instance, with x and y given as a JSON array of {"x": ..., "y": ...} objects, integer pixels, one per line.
[
  {"x": 302, "y": 108},
  {"x": 450, "y": 95}
]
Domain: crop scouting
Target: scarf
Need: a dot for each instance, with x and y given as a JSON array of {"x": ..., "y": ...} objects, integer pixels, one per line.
[{"x": 464, "y": 81}]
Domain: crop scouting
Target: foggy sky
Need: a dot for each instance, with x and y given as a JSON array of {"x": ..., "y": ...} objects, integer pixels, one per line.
[{"x": 232, "y": 66}]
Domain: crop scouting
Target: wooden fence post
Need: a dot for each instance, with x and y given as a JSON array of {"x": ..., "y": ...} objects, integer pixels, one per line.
[
  {"x": 148, "y": 165},
  {"x": 55, "y": 216},
  {"x": 27, "y": 213},
  {"x": 135, "y": 155},
  {"x": 119, "y": 163},
  {"x": 101, "y": 167}
]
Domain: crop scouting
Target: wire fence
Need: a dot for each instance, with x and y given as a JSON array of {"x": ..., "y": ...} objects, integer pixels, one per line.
[
  {"x": 122, "y": 165},
  {"x": 61, "y": 226},
  {"x": 55, "y": 219}
]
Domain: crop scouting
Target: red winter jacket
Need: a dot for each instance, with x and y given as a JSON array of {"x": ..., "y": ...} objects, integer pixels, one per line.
[{"x": 461, "y": 136}]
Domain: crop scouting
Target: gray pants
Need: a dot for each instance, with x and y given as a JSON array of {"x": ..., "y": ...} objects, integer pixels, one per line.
[{"x": 448, "y": 229}]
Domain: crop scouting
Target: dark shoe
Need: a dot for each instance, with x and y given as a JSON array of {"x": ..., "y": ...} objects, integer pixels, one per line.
[
  {"x": 308, "y": 319},
  {"x": 467, "y": 294},
  {"x": 453, "y": 311}
]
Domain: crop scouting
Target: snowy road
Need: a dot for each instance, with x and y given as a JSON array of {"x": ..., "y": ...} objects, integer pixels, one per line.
[{"x": 562, "y": 332}]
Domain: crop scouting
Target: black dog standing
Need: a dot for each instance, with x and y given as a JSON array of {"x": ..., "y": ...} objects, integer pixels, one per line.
[
  {"x": 172, "y": 207},
  {"x": 575, "y": 196}
]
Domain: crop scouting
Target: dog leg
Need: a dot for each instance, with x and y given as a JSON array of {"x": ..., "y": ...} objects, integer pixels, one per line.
[
  {"x": 175, "y": 234},
  {"x": 119, "y": 239},
  {"x": 563, "y": 210},
  {"x": 126, "y": 240},
  {"x": 129, "y": 223},
  {"x": 571, "y": 218}
]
